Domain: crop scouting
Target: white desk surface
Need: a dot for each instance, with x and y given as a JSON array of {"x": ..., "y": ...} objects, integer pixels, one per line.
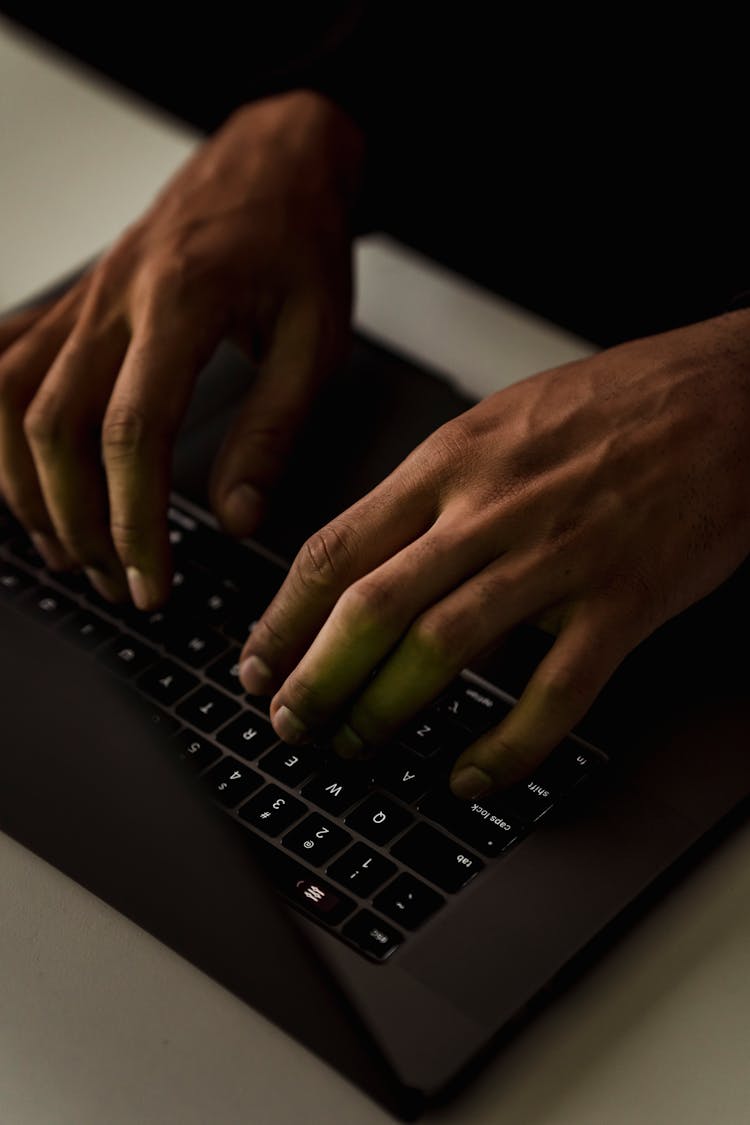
[{"x": 102, "y": 1025}]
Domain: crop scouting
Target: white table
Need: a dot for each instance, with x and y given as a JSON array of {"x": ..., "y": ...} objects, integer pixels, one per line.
[{"x": 100, "y": 1023}]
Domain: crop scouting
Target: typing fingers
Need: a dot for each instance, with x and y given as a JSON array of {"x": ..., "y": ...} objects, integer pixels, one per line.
[
  {"x": 596, "y": 637},
  {"x": 31, "y": 346},
  {"x": 171, "y": 340}
]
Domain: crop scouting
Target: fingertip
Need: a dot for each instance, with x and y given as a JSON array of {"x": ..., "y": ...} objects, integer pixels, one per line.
[
  {"x": 255, "y": 675},
  {"x": 242, "y": 509},
  {"x": 470, "y": 782}
]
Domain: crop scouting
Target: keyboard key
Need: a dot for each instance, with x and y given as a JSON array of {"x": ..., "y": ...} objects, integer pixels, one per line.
[
  {"x": 528, "y": 800},
  {"x": 126, "y": 655},
  {"x": 379, "y": 819},
  {"x": 231, "y": 782},
  {"x": 167, "y": 682},
  {"x": 196, "y": 645},
  {"x": 249, "y": 735},
  {"x": 317, "y": 839},
  {"x": 373, "y": 936},
  {"x": 361, "y": 870},
  {"x": 433, "y": 734},
  {"x": 473, "y": 708},
  {"x": 154, "y": 626},
  {"x": 408, "y": 901},
  {"x": 568, "y": 764},
  {"x": 196, "y": 751},
  {"x": 339, "y": 787},
  {"x": 207, "y": 709},
  {"x": 433, "y": 855},
  {"x": 404, "y": 775},
  {"x": 303, "y": 889},
  {"x": 483, "y": 827},
  {"x": 292, "y": 765},
  {"x": 14, "y": 582},
  {"x": 226, "y": 671},
  {"x": 272, "y": 810},
  {"x": 87, "y": 630},
  {"x": 45, "y": 604}
]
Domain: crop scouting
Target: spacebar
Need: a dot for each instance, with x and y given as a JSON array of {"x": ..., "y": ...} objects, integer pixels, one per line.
[{"x": 301, "y": 887}]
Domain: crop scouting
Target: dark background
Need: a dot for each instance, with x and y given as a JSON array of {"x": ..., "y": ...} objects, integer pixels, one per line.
[{"x": 592, "y": 171}]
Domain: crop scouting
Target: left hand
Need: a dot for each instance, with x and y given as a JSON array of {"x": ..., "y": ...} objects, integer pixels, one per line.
[{"x": 598, "y": 499}]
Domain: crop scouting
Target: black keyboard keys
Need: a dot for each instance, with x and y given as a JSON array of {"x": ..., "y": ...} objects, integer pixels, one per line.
[
  {"x": 197, "y": 752},
  {"x": 272, "y": 810},
  {"x": 316, "y": 839},
  {"x": 408, "y": 901},
  {"x": 302, "y": 888},
  {"x": 13, "y": 581},
  {"x": 207, "y": 709},
  {"x": 482, "y": 826},
  {"x": 167, "y": 682},
  {"x": 372, "y": 935},
  {"x": 248, "y": 735},
  {"x": 337, "y": 789},
  {"x": 473, "y": 708},
  {"x": 87, "y": 630},
  {"x": 127, "y": 655},
  {"x": 379, "y": 819},
  {"x": 45, "y": 604},
  {"x": 433, "y": 855},
  {"x": 292, "y": 765},
  {"x": 404, "y": 775},
  {"x": 361, "y": 870},
  {"x": 231, "y": 782}
]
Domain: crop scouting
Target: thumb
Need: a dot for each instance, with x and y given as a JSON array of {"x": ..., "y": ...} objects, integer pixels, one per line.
[{"x": 260, "y": 440}]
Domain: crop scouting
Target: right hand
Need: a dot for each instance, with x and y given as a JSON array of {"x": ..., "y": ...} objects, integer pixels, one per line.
[{"x": 251, "y": 241}]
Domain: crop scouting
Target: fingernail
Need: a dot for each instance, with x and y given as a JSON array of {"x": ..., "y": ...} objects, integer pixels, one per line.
[
  {"x": 347, "y": 743},
  {"x": 243, "y": 509},
  {"x": 289, "y": 727},
  {"x": 470, "y": 782},
  {"x": 255, "y": 675},
  {"x": 142, "y": 590},
  {"x": 53, "y": 553},
  {"x": 104, "y": 585}
]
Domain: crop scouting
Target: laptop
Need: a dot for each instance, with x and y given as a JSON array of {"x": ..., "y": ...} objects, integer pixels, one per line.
[{"x": 396, "y": 933}]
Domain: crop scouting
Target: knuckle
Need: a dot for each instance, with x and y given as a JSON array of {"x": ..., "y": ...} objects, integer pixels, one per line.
[
  {"x": 568, "y": 685},
  {"x": 454, "y": 442},
  {"x": 124, "y": 431},
  {"x": 366, "y": 602},
  {"x": 178, "y": 268},
  {"x": 441, "y": 636},
  {"x": 325, "y": 558},
  {"x": 46, "y": 424}
]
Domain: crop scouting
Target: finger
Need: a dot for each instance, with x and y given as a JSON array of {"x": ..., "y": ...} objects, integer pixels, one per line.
[
  {"x": 472, "y": 619},
  {"x": 257, "y": 447},
  {"x": 593, "y": 642},
  {"x": 14, "y": 326},
  {"x": 149, "y": 400},
  {"x": 23, "y": 366},
  {"x": 369, "y": 619},
  {"x": 379, "y": 525},
  {"x": 62, "y": 428}
]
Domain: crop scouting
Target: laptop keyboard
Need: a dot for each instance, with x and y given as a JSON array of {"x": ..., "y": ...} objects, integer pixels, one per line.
[{"x": 370, "y": 850}]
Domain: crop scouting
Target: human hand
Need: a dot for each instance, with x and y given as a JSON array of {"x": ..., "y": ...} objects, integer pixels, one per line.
[
  {"x": 597, "y": 499},
  {"x": 250, "y": 240}
]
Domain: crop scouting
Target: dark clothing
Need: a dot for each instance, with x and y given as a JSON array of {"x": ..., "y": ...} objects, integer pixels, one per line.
[{"x": 592, "y": 171}]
